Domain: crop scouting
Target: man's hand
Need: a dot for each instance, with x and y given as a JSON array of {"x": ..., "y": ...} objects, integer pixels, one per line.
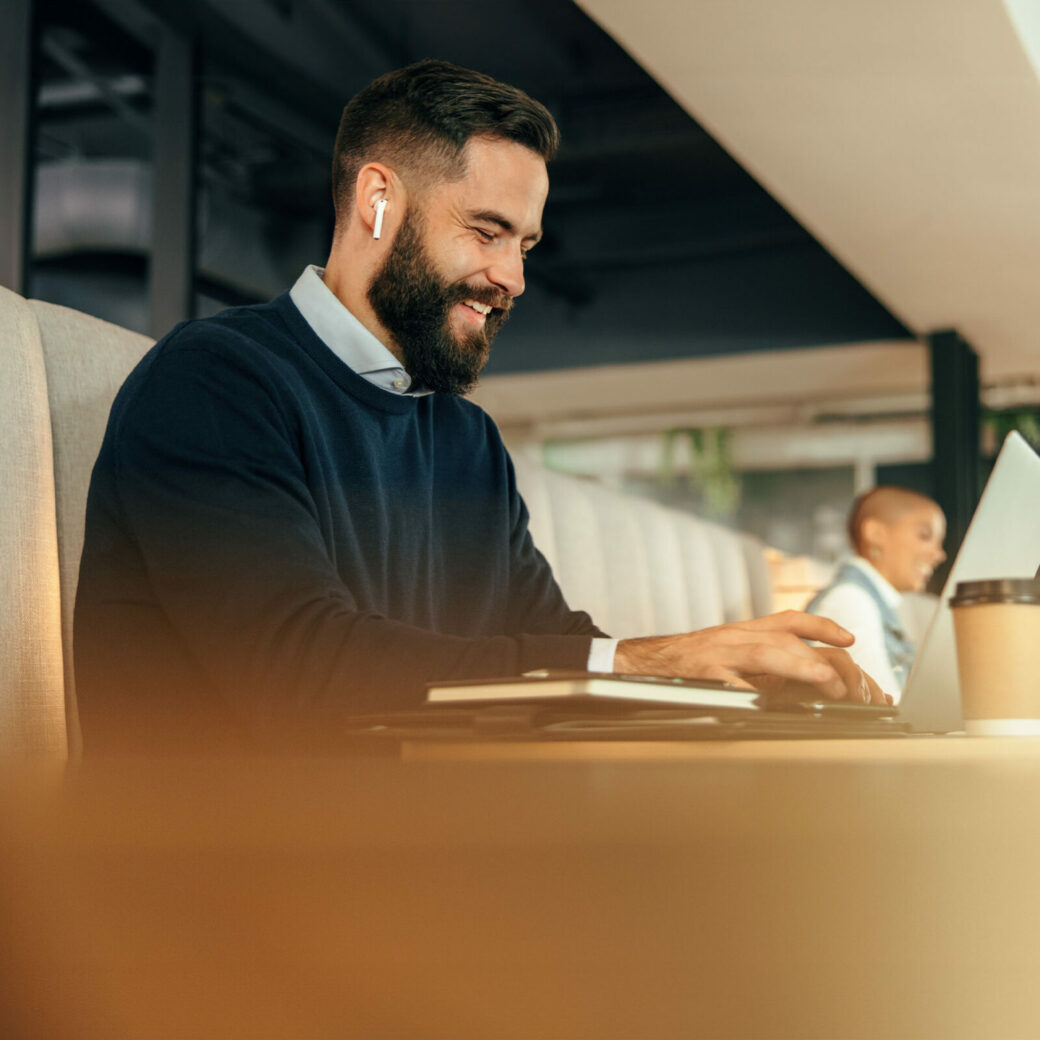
[{"x": 769, "y": 654}]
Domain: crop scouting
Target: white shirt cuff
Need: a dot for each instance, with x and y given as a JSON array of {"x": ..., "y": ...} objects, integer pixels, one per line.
[{"x": 601, "y": 655}]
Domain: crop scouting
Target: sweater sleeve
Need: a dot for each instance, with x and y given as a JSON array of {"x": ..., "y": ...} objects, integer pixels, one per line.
[{"x": 210, "y": 489}]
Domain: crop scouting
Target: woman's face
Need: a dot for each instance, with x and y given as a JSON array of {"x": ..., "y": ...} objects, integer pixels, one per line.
[{"x": 909, "y": 548}]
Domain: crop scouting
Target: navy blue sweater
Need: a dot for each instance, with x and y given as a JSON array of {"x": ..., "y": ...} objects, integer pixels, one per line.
[{"x": 273, "y": 544}]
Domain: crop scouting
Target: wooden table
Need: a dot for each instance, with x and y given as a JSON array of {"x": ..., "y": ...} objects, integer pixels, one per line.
[{"x": 760, "y": 889}]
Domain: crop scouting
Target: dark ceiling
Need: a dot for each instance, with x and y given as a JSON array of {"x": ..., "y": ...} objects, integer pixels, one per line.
[{"x": 657, "y": 243}]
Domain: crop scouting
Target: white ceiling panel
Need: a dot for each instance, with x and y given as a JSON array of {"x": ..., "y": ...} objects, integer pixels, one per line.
[{"x": 904, "y": 134}]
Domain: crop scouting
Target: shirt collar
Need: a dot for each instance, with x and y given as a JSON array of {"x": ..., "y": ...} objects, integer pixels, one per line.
[
  {"x": 346, "y": 337},
  {"x": 888, "y": 591}
]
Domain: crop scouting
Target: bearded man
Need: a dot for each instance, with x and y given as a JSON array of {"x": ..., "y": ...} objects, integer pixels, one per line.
[{"x": 296, "y": 517}]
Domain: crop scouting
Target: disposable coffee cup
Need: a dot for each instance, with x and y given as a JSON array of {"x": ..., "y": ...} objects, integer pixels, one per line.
[{"x": 997, "y": 626}]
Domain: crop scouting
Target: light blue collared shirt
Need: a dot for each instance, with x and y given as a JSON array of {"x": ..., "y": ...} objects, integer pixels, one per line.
[
  {"x": 361, "y": 352},
  {"x": 346, "y": 337}
]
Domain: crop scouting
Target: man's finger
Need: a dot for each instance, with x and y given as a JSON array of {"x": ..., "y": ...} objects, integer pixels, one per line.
[
  {"x": 748, "y": 634},
  {"x": 760, "y": 658},
  {"x": 805, "y": 626},
  {"x": 877, "y": 695},
  {"x": 860, "y": 687}
]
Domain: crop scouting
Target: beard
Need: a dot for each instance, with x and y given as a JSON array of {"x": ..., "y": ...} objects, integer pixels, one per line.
[{"x": 414, "y": 304}]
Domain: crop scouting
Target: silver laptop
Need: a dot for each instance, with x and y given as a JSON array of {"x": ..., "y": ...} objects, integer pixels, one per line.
[{"x": 1002, "y": 541}]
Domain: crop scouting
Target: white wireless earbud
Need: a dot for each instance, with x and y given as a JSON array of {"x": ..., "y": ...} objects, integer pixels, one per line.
[{"x": 377, "y": 227}]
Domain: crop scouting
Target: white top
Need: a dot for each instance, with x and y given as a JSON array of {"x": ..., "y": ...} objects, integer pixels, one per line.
[
  {"x": 361, "y": 352},
  {"x": 853, "y": 608}
]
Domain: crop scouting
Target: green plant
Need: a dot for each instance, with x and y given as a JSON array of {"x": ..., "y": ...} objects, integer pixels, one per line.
[
  {"x": 996, "y": 425},
  {"x": 710, "y": 471}
]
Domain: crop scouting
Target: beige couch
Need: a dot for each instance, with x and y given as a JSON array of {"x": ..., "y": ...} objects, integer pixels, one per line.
[
  {"x": 59, "y": 371},
  {"x": 636, "y": 567}
]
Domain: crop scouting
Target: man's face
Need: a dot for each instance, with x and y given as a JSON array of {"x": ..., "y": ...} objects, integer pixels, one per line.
[{"x": 456, "y": 264}]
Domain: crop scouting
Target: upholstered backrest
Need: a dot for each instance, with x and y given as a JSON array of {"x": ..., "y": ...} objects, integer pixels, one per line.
[
  {"x": 32, "y": 704},
  {"x": 636, "y": 567},
  {"x": 580, "y": 552},
  {"x": 86, "y": 361},
  {"x": 665, "y": 575},
  {"x": 760, "y": 581},
  {"x": 734, "y": 581}
]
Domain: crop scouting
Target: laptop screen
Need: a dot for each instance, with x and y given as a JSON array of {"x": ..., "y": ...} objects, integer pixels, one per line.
[{"x": 1002, "y": 541}]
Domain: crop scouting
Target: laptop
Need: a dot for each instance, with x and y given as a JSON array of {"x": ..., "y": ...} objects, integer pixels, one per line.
[{"x": 1002, "y": 541}]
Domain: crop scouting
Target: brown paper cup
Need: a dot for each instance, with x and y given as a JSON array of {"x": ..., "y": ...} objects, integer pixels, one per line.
[{"x": 997, "y": 626}]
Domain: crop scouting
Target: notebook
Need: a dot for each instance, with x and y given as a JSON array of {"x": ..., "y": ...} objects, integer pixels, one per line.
[{"x": 571, "y": 688}]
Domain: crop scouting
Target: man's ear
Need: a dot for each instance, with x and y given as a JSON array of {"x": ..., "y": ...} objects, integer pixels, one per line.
[{"x": 378, "y": 195}]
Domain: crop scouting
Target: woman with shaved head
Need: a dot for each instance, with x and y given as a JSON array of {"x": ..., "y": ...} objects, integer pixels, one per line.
[{"x": 897, "y": 537}]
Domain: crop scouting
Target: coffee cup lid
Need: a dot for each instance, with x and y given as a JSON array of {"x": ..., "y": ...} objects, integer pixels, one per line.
[{"x": 996, "y": 590}]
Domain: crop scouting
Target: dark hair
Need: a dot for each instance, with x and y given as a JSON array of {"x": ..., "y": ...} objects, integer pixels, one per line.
[{"x": 419, "y": 118}]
